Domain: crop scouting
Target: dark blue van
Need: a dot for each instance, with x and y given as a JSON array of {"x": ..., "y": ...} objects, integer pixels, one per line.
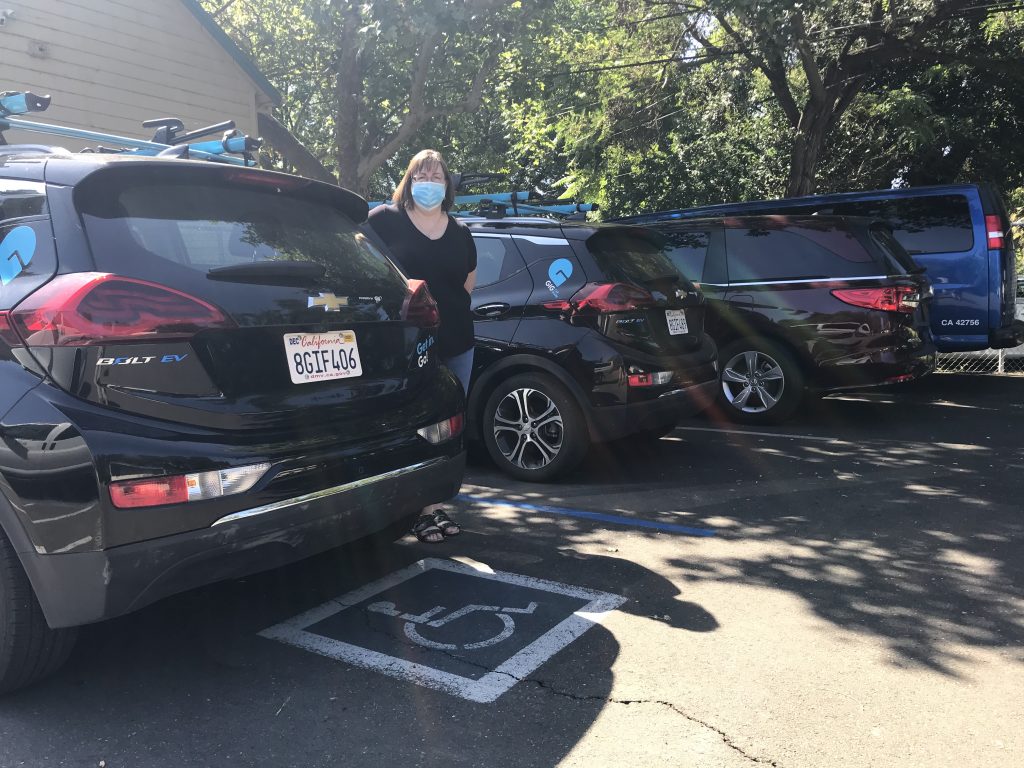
[{"x": 960, "y": 234}]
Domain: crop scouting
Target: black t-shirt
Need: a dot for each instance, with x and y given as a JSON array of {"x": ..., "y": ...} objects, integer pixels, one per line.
[{"x": 444, "y": 263}]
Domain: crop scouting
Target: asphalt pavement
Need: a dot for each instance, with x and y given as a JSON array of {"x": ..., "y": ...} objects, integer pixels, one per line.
[{"x": 845, "y": 590}]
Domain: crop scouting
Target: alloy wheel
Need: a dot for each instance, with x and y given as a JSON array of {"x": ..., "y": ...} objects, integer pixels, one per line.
[
  {"x": 528, "y": 428},
  {"x": 753, "y": 382}
]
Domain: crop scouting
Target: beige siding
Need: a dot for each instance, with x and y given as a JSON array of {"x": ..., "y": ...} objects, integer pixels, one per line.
[{"x": 110, "y": 64}]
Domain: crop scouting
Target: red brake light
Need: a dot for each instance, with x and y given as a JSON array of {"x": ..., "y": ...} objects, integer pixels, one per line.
[
  {"x": 611, "y": 297},
  {"x": 419, "y": 307},
  {"x": 7, "y": 332},
  {"x": 994, "y": 227},
  {"x": 893, "y": 298},
  {"x": 152, "y": 492},
  {"x": 89, "y": 308}
]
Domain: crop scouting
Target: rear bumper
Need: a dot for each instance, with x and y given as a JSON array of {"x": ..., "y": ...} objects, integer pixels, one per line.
[
  {"x": 886, "y": 367},
  {"x": 1010, "y": 336},
  {"x": 81, "y": 588},
  {"x": 617, "y": 421}
]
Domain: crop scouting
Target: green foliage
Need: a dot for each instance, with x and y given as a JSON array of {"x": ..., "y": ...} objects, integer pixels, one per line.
[{"x": 649, "y": 104}]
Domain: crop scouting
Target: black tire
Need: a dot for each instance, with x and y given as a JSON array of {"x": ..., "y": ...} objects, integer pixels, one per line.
[
  {"x": 29, "y": 649},
  {"x": 546, "y": 448},
  {"x": 779, "y": 384}
]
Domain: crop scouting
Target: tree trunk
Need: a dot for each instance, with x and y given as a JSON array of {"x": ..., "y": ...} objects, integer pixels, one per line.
[
  {"x": 807, "y": 147},
  {"x": 348, "y": 92}
]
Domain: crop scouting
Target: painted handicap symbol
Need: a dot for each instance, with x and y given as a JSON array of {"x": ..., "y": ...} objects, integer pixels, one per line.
[
  {"x": 16, "y": 252},
  {"x": 560, "y": 271},
  {"x": 412, "y": 620}
]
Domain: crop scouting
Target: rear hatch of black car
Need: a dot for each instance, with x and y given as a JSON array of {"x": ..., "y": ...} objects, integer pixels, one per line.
[
  {"x": 639, "y": 298},
  {"x": 236, "y": 300}
]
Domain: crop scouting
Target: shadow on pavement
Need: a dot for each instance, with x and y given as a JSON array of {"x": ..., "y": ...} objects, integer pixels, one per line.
[{"x": 188, "y": 682}]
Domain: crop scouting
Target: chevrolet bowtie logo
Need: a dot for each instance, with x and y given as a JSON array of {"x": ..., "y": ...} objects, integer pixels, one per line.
[{"x": 328, "y": 301}]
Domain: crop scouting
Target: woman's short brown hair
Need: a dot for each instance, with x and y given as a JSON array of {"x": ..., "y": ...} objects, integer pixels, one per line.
[{"x": 424, "y": 159}]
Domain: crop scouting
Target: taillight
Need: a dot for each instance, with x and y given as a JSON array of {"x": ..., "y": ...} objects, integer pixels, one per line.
[
  {"x": 180, "y": 489},
  {"x": 994, "y": 228},
  {"x": 7, "y": 334},
  {"x": 893, "y": 298},
  {"x": 443, "y": 430},
  {"x": 419, "y": 307},
  {"x": 656, "y": 379},
  {"x": 90, "y": 308},
  {"x": 611, "y": 297}
]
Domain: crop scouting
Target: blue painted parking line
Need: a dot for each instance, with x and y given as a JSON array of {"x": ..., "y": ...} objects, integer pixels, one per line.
[{"x": 586, "y": 515}]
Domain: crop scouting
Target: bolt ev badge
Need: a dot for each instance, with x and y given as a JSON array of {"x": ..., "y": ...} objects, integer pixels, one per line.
[{"x": 328, "y": 301}]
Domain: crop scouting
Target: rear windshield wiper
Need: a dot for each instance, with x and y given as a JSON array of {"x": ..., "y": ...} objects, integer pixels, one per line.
[{"x": 269, "y": 272}]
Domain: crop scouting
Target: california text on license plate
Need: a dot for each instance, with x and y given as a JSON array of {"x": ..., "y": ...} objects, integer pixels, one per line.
[
  {"x": 676, "y": 319},
  {"x": 322, "y": 356}
]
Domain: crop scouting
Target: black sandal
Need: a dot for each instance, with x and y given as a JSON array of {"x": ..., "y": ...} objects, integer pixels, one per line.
[
  {"x": 445, "y": 524},
  {"x": 427, "y": 530}
]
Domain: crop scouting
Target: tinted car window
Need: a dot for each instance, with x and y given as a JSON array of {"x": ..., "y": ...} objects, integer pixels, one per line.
[
  {"x": 935, "y": 224},
  {"x": 899, "y": 260},
  {"x": 688, "y": 251},
  {"x": 769, "y": 252},
  {"x": 159, "y": 226},
  {"x": 21, "y": 198},
  {"x": 496, "y": 259},
  {"x": 637, "y": 259}
]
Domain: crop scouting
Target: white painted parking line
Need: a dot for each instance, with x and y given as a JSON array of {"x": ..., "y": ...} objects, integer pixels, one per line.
[
  {"x": 826, "y": 439},
  {"x": 495, "y": 629}
]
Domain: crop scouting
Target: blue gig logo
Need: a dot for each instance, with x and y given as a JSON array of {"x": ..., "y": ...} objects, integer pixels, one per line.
[
  {"x": 16, "y": 252},
  {"x": 560, "y": 271}
]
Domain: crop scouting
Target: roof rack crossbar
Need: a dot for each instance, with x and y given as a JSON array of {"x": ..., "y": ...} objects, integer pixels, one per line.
[{"x": 233, "y": 142}]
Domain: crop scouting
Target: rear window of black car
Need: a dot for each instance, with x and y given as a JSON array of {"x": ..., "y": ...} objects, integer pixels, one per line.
[
  {"x": 771, "y": 251},
  {"x": 688, "y": 250},
  {"x": 634, "y": 258},
  {"x": 932, "y": 224},
  {"x": 164, "y": 223}
]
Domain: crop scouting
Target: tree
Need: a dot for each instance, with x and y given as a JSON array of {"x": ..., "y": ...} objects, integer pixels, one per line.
[
  {"x": 362, "y": 80},
  {"x": 818, "y": 55}
]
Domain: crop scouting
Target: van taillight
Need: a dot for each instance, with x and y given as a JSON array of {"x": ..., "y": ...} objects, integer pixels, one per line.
[
  {"x": 420, "y": 308},
  {"x": 994, "y": 228},
  {"x": 893, "y": 298},
  {"x": 611, "y": 297},
  {"x": 89, "y": 308}
]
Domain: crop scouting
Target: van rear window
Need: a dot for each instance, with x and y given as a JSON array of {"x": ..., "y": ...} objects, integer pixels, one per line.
[{"x": 932, "y": 224}]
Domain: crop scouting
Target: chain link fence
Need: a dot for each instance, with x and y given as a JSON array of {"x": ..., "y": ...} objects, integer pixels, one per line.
[{"x": 998, "y": 361}]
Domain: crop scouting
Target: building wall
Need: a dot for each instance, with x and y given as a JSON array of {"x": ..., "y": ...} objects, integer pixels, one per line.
[{"x": 110, "y": 64}]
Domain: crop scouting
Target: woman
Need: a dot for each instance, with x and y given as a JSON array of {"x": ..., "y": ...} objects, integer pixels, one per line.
[{"x": 431, "y": 245}]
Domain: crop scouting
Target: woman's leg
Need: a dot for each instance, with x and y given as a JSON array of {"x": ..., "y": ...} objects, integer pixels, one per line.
[{"x": 462, "y": 366}]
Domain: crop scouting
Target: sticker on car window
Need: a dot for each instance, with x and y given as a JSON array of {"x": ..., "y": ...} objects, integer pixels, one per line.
[{"x": 16, "y": 251}]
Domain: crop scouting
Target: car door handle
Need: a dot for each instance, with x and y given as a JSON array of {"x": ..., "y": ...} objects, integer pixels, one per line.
[
  {"x": 741, "y": 299},
  {"x": 492, "y": 310}
]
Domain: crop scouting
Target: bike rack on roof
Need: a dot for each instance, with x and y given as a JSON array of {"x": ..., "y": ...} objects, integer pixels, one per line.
[
  {"x": 170, "y": 139},
  {"x": 497, "y": 205}
]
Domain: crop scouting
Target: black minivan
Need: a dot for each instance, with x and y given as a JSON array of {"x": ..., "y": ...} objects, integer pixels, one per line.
[
  {"x": 803, "y": 304},
  {"x": 205, "y": 371}
]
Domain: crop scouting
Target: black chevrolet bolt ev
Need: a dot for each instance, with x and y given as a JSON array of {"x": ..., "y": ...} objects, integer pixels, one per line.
[
  {"x": 804, "y": 304},
  {"x": 584, "y": 333},
  {"x": 205, "y": 371}
]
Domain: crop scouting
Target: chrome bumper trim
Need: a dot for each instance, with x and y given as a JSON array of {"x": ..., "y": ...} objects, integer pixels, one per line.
[{"x": 327, "y": 492}]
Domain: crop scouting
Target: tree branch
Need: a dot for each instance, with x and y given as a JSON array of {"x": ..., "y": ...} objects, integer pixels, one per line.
[{"x": 292, "y": 150}]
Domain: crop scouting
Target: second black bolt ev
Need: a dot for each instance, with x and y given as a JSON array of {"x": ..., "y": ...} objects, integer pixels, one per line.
[
  {"x": 583, "y": 333},
  {"x": 205, "y": 371}
]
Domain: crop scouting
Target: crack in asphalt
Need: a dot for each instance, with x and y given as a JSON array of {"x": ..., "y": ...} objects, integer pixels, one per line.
[{"x": 726, "y": 739}]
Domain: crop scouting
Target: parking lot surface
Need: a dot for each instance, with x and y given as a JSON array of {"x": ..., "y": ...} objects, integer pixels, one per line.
[{"x": 846, "y": 590}]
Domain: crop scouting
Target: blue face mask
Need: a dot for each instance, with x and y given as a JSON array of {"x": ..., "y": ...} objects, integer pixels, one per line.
[{"x": 428, "y": 195}]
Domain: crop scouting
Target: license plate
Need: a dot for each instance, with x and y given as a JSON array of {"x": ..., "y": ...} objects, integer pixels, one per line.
[
  {"x": 322, "y": 356},
  {"x": 676, "y": 319}
]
